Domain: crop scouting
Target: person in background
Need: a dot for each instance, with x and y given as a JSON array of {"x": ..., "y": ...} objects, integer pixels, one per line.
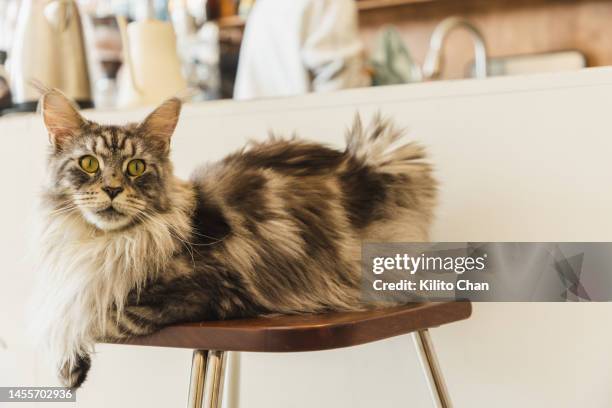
[{"x": 292, "y": 47}]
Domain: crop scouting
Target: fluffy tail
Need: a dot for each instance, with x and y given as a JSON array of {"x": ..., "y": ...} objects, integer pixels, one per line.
[{"x": 377, "y": 147}]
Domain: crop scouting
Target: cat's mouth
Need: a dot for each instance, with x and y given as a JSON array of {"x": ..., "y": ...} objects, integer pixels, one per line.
[
  {"x": 110, "y": 212},
  {"x": 108, "y": 218}
]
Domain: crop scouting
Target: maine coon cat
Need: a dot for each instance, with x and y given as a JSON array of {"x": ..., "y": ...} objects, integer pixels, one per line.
[{"x": 128, "y": 248}]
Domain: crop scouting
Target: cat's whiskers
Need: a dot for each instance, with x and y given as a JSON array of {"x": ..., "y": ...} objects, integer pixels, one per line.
[
  {"x": 168, "y": 228},
  {"x": 85, "y": 203},
  {"x": 217, "y": 240},
  {"x": 143, "y": 217},
  {"x": 193, "y": 232},
  {"x": 135, "y": 204},
  {"x": 65, "y": 209}
]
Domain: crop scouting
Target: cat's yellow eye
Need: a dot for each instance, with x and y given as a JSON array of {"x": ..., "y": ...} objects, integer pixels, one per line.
[
  {"x": 89, "y": 164},
  {"x": 136, "y": 167}
]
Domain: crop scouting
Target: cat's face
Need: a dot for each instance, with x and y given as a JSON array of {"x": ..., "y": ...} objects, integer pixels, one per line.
[{"x": 113, "y": 176}]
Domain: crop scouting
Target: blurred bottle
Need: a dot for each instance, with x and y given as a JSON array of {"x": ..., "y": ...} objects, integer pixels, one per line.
[
  {"x": 107, "y": 56},
  {"x": 152, "y": 66}
]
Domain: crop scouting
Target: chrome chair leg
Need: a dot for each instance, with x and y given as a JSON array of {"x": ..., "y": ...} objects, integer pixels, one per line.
[
  {"x": 433, "y": 374},
  {"x": 213, "y": 382},
  {"x": 208, "y": 373},
  {"x": 196, "y": 382},
  {"x": 206, "y": 383}
]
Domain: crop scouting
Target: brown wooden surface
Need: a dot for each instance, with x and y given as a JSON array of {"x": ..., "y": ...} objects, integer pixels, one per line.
[{"x": 307, "y": 332}]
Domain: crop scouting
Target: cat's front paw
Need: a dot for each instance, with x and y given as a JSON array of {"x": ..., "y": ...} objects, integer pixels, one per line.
[
  {"x": 132, "y": 321},
  {"x": 73, "y": 374}
]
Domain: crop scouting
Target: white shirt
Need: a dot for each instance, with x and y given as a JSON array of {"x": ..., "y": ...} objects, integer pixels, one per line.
[{"x": 293, "y": 47}]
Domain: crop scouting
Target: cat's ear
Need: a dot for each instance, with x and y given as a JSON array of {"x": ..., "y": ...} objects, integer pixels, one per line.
[
  {"x": 160, "y": 124},
  {"x": 61, "y": 117}
]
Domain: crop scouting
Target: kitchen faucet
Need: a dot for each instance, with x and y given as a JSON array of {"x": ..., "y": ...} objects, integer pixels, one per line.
[{"x": 432, "y": 67}]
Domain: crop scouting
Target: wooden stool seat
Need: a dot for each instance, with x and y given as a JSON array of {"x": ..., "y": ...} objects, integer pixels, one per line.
[
  {"x": 212, "y": 340},
  {"x": 307, "y": 332}
]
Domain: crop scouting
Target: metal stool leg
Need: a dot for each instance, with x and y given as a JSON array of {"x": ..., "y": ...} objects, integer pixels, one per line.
[
  {"x": 215, "y": 374},
  {"x": 196, "y": 383},
  {"x": 429, "y": 363},
  {"x": 206, "y": 384}
]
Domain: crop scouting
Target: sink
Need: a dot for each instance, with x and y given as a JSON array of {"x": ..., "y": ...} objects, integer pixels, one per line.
[{"x": 533, "y": 63}]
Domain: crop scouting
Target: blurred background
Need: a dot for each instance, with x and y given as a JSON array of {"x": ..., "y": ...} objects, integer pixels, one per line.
[
  {"x": 120, "y": 53},
  {"x": 506, "y": 152}
]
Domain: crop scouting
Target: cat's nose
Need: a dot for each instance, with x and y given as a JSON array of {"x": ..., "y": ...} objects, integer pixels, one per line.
[{"x": 112, "y": 191}]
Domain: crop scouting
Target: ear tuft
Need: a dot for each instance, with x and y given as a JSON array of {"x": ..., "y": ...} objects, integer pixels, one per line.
[
  {"x": 61, "y": 117},
  {"x": 160, "y": 124}
]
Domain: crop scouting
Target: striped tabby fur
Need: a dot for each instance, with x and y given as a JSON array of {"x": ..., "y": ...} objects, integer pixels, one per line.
[{"x": 274, "y": 228}]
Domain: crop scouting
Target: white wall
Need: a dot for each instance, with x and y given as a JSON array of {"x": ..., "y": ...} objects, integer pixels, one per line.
[{"x": 519, "y": 159}]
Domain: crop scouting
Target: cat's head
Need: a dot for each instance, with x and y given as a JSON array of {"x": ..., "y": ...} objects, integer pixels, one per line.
[{"x": 113, "y": 176}]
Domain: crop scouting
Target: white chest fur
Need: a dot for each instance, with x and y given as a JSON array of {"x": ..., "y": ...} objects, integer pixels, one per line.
[{"x": 84, "y": 273}]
